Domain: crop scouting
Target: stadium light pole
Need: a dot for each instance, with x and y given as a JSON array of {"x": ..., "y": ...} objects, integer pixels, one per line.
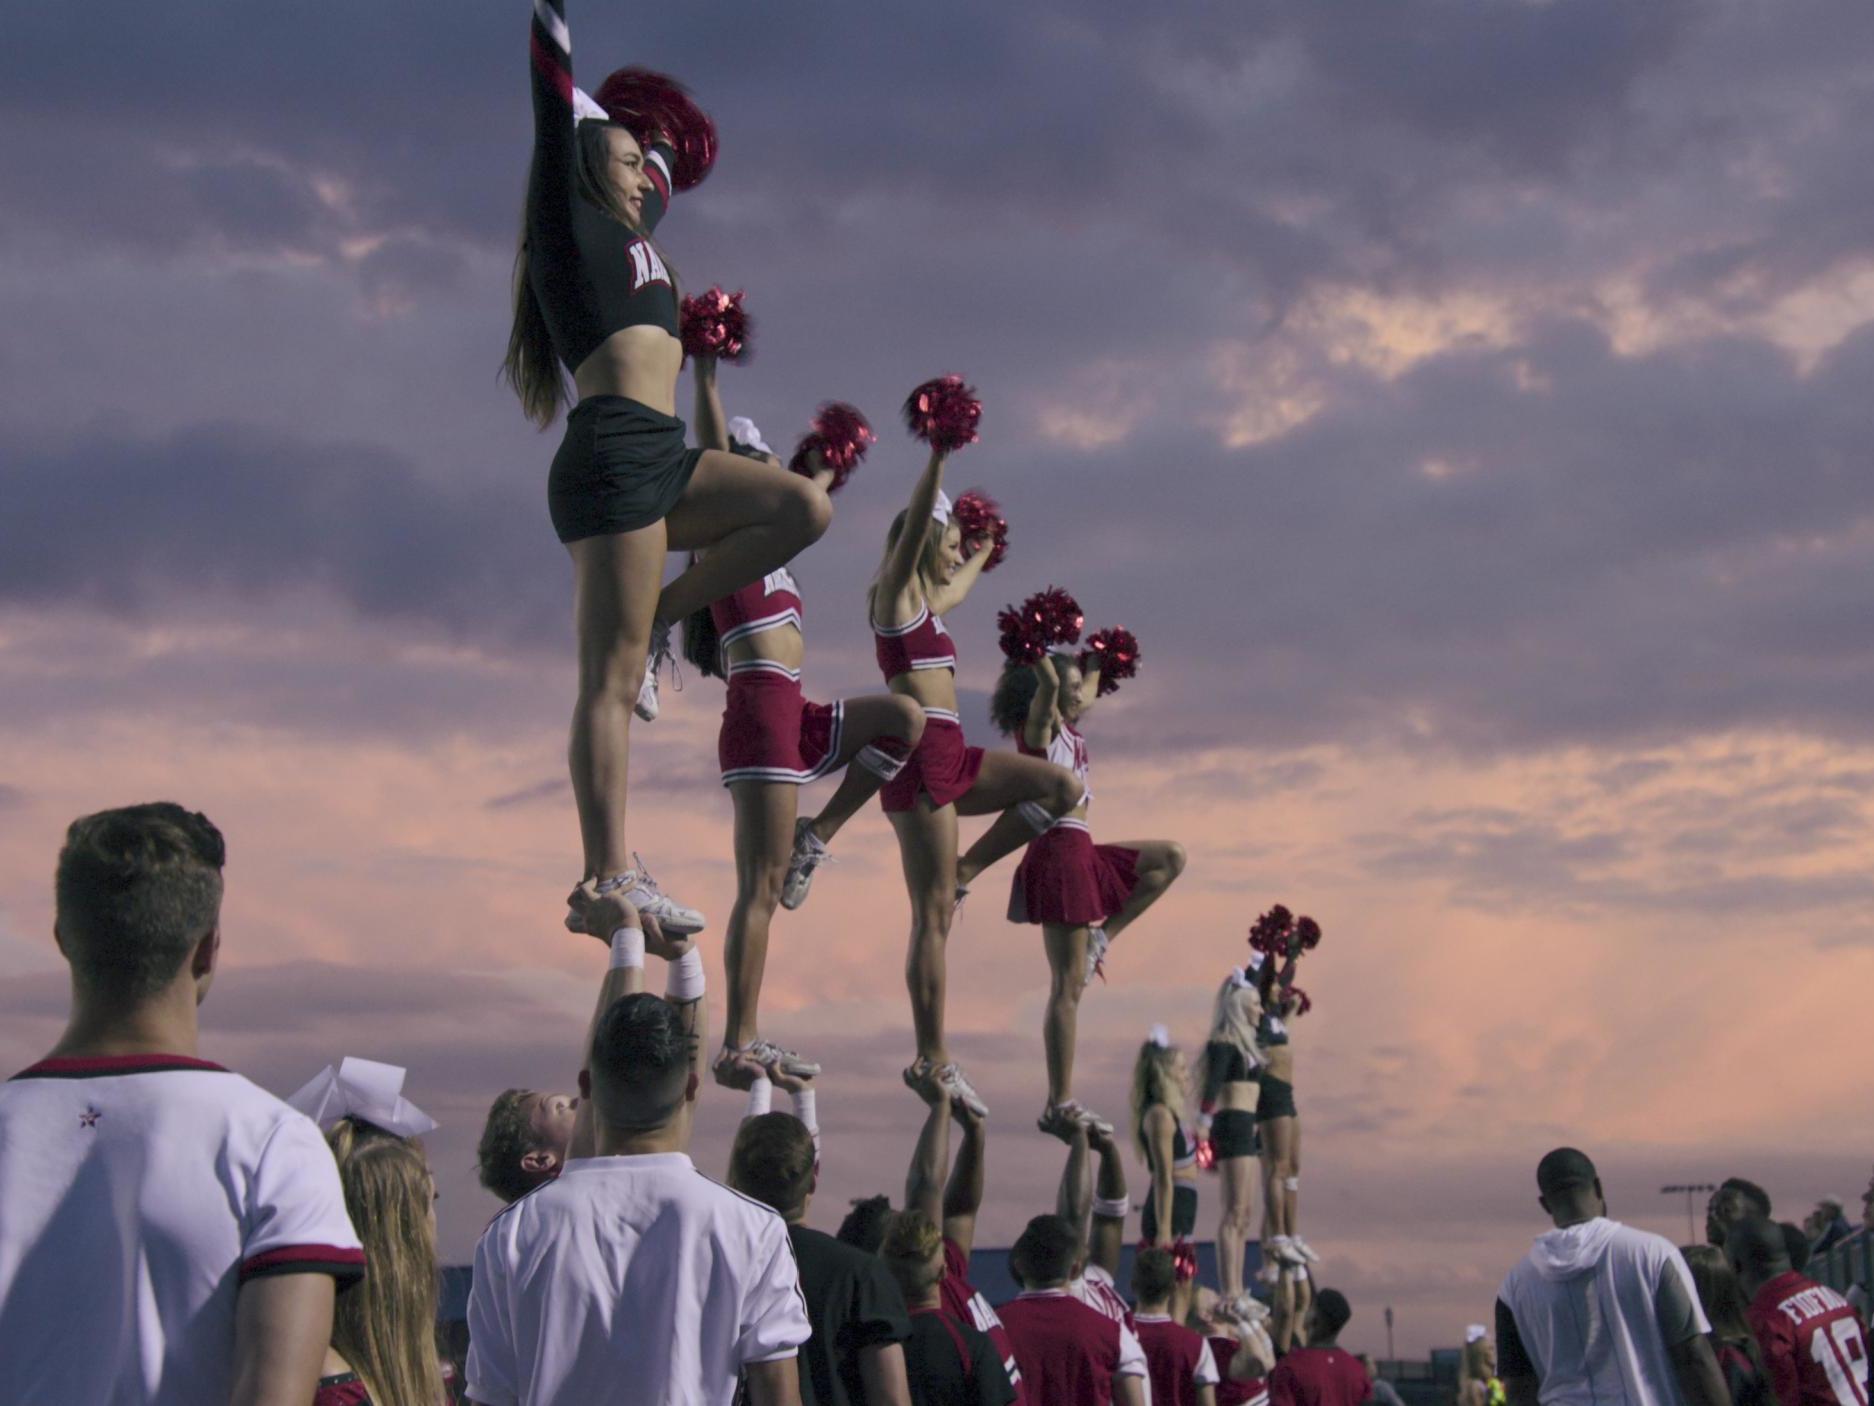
[{"x": 1689, "y": 1190}]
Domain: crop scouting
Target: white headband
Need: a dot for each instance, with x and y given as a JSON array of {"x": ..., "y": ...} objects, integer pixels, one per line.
[
  {"x": 1160, "y": 1036},
  {"x": 940, "y": 510},
  {"x": 586, "y": 110},
  {"x": 1239, "y": 978},
  {"x": 1475, "y": 1333},
  {"x": 743, "y": 431},
  {"x": 362, "y": 1089}
]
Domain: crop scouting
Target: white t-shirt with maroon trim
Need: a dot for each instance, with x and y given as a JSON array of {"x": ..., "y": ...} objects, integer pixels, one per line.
[{"x": 137, "y": 1194}]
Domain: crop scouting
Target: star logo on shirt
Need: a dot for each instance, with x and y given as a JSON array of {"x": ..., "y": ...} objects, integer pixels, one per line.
[{"x": 89, "y": 1118}]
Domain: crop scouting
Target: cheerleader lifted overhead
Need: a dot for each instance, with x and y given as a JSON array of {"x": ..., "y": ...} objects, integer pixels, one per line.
[{"x": 595, "y": 301}]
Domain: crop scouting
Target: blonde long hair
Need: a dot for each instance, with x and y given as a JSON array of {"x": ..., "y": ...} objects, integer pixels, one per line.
[
  {"x": 1155, "y": 1079},
  {"x": 385, "y": 1327},
  {"x": 1230, "y": 1022}
]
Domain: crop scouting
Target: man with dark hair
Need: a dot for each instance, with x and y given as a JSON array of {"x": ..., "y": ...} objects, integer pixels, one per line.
[
  {"x": 531, "y": 1134},
  {"x": 1182, "y": 1369},
  {"x": 628, "y": 1271},
  {"x": 1734, "y": 1199},
  {"x": 1813, "y": 1349},
  {"x": 1795, "y": 1241},
  {"x": 1067, "y": 1351},
  {"x": 1600, "y": 1314},
  {"x": 1320, "y": 1374},
  {"x": 856, "y": 1354},
  {"x": 169, "y": 1233}
]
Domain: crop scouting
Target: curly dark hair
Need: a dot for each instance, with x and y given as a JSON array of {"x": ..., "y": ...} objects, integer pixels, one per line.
[{"x": 1015, "y": 692}]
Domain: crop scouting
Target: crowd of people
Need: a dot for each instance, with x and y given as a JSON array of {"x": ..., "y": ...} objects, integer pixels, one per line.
[{"x": 240, "y": 1248}]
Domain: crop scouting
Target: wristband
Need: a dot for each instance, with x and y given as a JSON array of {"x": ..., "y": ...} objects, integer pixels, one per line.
[
  {"x": 760, "y": 1097},
  {"x": 1117, "y": 1209},
  {"x": 628, "y": 948},
  {"x": 804, "y": 1110},
  {"x": 684, "y": 982}
]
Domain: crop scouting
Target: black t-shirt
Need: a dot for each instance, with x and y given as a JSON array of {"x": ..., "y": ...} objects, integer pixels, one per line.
[
  {"x": 853, "y": 1303},
  {"x": 952, "y": 1363}
]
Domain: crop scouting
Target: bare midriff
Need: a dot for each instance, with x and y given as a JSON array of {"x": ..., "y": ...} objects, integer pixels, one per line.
[
  {"x": 1279, "y": 1063},
  {"x": 638, "y": 362},
  {"x": 928, "y": 688},
  {"x": 1239, "y": 1095},
  {"x": 781, "y": 645}
]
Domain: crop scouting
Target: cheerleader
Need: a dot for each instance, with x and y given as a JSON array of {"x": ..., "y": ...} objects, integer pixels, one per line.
[
  {"x": 1227, "y": 1120},
  {"x": 1081, "y": 894},
  {"x": 927, "y": 571},
  {"x": 594, "y": 299},
  {"x": 1160, "y": 1090},
  {"x": 1276, "y": 1119},
  {"x": 772, "y": 742}
]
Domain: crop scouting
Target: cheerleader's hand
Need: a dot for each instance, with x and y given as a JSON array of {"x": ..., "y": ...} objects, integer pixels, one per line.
[
  {"x": 781, "y": 1079},
  {"x": 658, "y": 945},
  {"x": 1206, "y": 1154},
  {"x": 602, "y": 914}
]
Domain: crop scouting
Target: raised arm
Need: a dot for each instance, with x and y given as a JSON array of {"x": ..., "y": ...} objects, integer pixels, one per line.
[
  {"x": 1044, "y": 713},
  {"x": 952, "y": 593},
  {"x": 964, "y": 1193},
  {"x": 1107, "y": 1234},
  {"x": 894, "y": 578},
  {"x": 923, "y": 1183},
  {"x": 1073, "y": 1202},
  {"x": 550, "y": 52},
  {"x": 711, "y": 426}
]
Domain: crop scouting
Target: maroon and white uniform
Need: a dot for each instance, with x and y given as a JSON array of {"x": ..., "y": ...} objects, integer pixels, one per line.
[
  {"x": 1319, "y": 1376},
  {"x": 943, "y": 765},
  {"x": 138, "y": 1193},
  {"x": 1251, "y": 1393},
  {"x": 1064, "y": 877},
  {"x": 1180, "y": 1360},
  {"x": 962, "y": 1299},
  {"x": 1812, "y": 1345},
  {"x": 1095, "y": 1289},
  {"x": 1067, "y": 1351},
  {"x": 770, "y": 731}
]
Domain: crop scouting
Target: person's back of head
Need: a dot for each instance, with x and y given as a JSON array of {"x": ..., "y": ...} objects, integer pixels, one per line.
[
  {"x": 1154, "y": 1276},
  {"x": 1753, "y": 1195},
  {"x": 772, "y": 1161},
  {"x": 385, "y": 1326},
  {"x": 1045, "y": 1254},
  {"x": 1568, "y": 1186},
  {"x": 640, "y": 1065},
  {"x": 507, "y": 1138},
  {"x": 912, "y": 1246},
  {"x": 138, "y": 893},
  {"x": 1797, "y": 1244},
  {"x": 1331, "y": 1313},
  {"x": 864, "y": 1226},
  {"x": 1719, "y": 1294},
  {"x": 1757, "y": 1251}
]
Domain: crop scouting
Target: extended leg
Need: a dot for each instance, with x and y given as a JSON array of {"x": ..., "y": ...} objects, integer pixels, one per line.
[
  {"x": 1031, "y": 793},
  {"x": 764, "y": 830},
  {"x": 1067, "y": 960},
  {"x": 751, "y": 517},
  {"x": 1160, "y": 863},
  {"x": 927, "y": 847}
]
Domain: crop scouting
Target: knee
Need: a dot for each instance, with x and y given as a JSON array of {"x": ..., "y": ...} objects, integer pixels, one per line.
[
  {"x": 908, "y": 721},
  {"x": 1174, "y": 859},
  {"x": 761, "y": 884},
  {"x": 807, "y": 512},
  {"x": 1067, "y": 793},
  {"x": 930, "y": 918},
  {"x": 611, "y": 675},
  {"x": 1064, "y": 988}
]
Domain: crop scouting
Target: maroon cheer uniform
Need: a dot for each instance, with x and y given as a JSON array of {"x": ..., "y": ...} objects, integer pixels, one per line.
[
  {"x": 770, "y": 732},
  {"x": 1064, "y": 877},
  {"x": 1813, "y": 1350},
  {"x": 943, "y": 765},
  {"x": 1254, "y": 1392},
  {"x": 1319, "y": 1376},
  {"x": 962, "y": 1299},
  {"x": 1067, "y": 1351},
  {"x": 1180, "y": 1360}
]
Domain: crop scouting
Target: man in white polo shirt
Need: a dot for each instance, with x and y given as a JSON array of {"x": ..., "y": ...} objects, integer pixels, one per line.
[
  {"x": 631, "y": 1276},
  {"x": 169, "y": 1233}
]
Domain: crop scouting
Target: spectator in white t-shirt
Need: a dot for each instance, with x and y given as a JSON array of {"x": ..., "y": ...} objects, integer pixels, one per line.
[
  {"x": 1600, "y": 1314},
  {"x": 169, "y": 1232},
  {"x": 631, "y": 1276}
]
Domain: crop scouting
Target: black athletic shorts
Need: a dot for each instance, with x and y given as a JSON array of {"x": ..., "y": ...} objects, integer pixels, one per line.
[
  {"x": 621, "y": 466},
  {"x": 1183, "y": 1211},
  {"x": 1277, "y": 1100},
  {"x": 1233, "y": 1133}
]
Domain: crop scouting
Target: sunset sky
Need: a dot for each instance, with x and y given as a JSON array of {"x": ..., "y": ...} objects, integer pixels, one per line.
[{"x": 1466, "y": 402}]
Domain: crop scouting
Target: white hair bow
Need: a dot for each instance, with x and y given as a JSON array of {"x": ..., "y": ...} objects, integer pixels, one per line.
[
  {"x": 744, "y": 432},
  {"x": 1160, "y": 1036},
  {"x": 586, "y": 110},
  {"x": 940, "y": 510},
  {"x": 1240, "y": 979},
  {"x": 1475, "y": 1333},
  {"x": 365, "y": 1090}
]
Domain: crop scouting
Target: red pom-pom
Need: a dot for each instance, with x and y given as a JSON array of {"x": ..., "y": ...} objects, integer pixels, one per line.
[
  {"x": 840, "y": 435},
  {"x": 977, "y": 516},
  {"x": 1184, "y": 1260},
  {"x": 1269, "y": 933},
  {"x": 1206, "y": 1155},
  {"x": 1302, "y": 1004},
  {"x": 716, "y": 324},
  {"x": 652, "y": 105},
  {"x": 1307, "y": 934},
  {"x": 1046, "y": 620},
  {"x": 1115, "y": 653},
  {"x": 943, "y": 413}
]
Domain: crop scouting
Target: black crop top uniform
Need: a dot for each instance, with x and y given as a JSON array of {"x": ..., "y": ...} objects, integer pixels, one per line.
[
  {"x": 1183, "y": 1194},
  {"x": 622, "y": 465}
]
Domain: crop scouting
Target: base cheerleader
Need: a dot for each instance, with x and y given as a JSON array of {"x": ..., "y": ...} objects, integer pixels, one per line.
[
  {"x": 595, "y": 300},
  {"x": 773, "y": 741},
  {"x": 1081, "y": 894},
  {"x": 1231, "y": 1085},
  {"x": 926, "y": 573}
]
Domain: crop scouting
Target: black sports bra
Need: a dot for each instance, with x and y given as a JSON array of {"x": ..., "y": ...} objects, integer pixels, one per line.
[
  {"x": 592, "y": 274},
  {"x": 1183, "y": 1154},
  {"x": 1270, "y": 1030}
]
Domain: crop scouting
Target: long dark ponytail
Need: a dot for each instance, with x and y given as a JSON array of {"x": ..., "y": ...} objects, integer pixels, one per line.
[{"x": 702, "y": 645}]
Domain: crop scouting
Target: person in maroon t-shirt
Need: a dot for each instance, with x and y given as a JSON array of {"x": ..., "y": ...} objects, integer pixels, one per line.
[
  {"x": 1068, "y": 1352},
  {"x": 1811, "y": 1339},
  {"x": 1183, "y": 1369},
  {"x": 1240, "y": 1343},
  {"x": 1320, "y": 1374}
]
